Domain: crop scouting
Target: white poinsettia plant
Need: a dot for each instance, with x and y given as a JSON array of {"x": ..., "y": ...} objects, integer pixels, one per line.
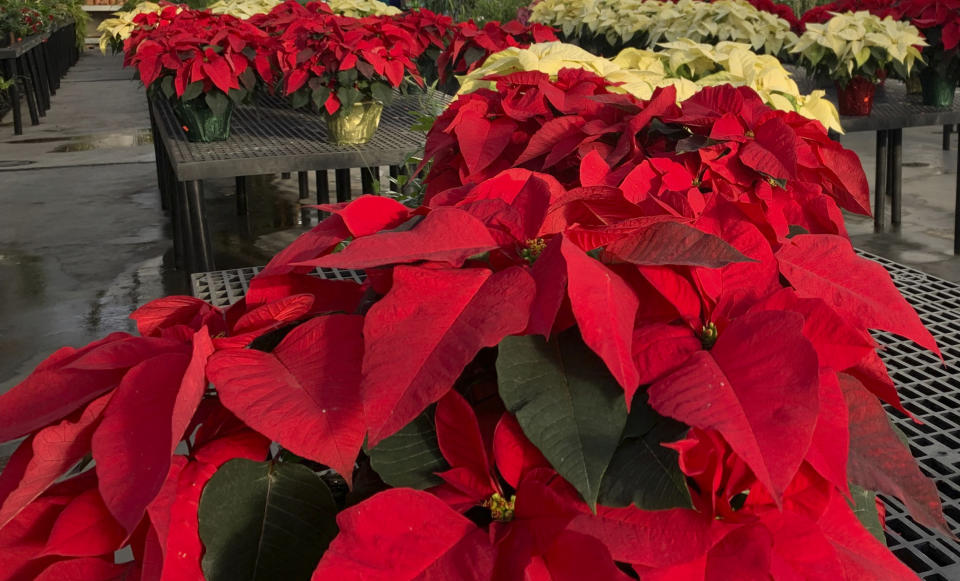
[
  {"x": 243, "y": 8},
  {"x": 687, "y": 65},
  {"x": 853, "y": 44},
  {"x": 646, "y": 23}
]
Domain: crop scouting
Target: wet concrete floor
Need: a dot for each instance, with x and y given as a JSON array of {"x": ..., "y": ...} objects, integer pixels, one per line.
[{"x": 83, "y": 240}]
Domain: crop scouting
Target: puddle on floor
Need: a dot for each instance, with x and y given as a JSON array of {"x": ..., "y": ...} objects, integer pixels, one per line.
[{"x": 91, "y": 142}]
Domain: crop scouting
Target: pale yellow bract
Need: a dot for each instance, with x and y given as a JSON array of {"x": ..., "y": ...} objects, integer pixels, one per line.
[
  {"x": 685, "y": 64},
  {"x": 121, "y": 25},
  {"x": 620, "y": 21},
  {"x": 360, "y": 8},
  {"x": 243, "y": 8},
  {"x": 846, "y": 42}
]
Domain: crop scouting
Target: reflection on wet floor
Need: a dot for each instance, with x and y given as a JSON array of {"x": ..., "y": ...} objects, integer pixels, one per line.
[{"x": 95, "y": 141}]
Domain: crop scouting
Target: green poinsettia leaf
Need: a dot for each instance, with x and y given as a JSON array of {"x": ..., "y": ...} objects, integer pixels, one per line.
[
  {"x": 319, "y": 96},
  {"x": 192, "y": 91},
  {"x": 411, "y": 457},
  {"x": 261, "y": 521},
  {"x": 642, "y": 471},
  {"x": 347, "y": 78},
  {"x": 567, "y": 402},
  {"x": 348, "y": 96},
  {"x": 299, "y": 99},
  {"x": 381, "y": 92},
  {"x": 166, "y": 85},
  {"x": 865, "y": 507},
  {"x": 218, "y": 103}
]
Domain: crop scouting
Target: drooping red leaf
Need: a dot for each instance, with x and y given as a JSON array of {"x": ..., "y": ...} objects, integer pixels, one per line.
[
  {"x": 515, "y": 454},
  {"x": 323, "y": 238},
  {"x": 406, "y": 535},
  {"x": 304, "y": 395},
  {"x": 604, "y": 306},
  {"x": 854, "y": 191},
  {"x": 758, "y": 387},
  {"x": 328, "y": 295},
  {"x": 445, "y": 235},
  {"x": 192, "y": 387},
  {"x": 481, "y": 141},
  {"x": 575, "y": 556},
  {"x": 285, "y": 310},
  {"x": 461, "y": 443},
  {"x": 550, "y": 275},
  {"x": 862, "y": 556},
  {"x": 773, "y": 151},
  {"x": 825, "y": 266},
  {"x": 744, "y": 553},
  {"x": 880, "y": 461},
  {"x": 661, "y": 538},
  {"x": 42, "y": 458},
  {"x": 54, "y": 390},
  {"x": 85, "y": 528},
  {"x": 830, "y": 444},
  {"x": 549, "y": 135},
  {"x": 368, "y": 214},
  {"x": 675, "y": 243},
  {"x": 88, "y": 569},
  {"x": 416, "y": 349},
  {"x": 132, "y": 446},
  {"x": 593, "y": 170},
  {"x": 158, "y": 510},
  {"x": 165, "y": 312},
  {"x": 659, "y": 348}
]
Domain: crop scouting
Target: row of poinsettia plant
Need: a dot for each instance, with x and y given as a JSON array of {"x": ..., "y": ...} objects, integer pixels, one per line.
[
  {"x": 620, "y": 339},
  {"x": 308, "y": 52}
]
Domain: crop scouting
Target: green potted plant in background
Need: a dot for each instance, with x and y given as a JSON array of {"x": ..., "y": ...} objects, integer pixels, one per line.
[
  {"x": 197, "y": 60},
  {"x": 939, "y": 21},
  {"x": 854, "y": 50}
]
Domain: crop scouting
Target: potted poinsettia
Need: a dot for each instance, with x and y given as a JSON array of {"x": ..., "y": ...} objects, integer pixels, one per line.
[
  {"x": 348, "y": 68},
  {"x": 939, "y": 21},
  {"x": 855, "y": 50},
  {"x": 197, "y": 60}
]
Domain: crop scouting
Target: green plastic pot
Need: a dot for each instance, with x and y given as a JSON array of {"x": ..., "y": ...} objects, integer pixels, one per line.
[
  {"x": 201, "y": 123},
  {"x": 937, "y": 91}
]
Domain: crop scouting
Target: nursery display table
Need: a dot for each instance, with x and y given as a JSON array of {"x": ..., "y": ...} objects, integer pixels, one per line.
[
  {"x": 929, "y": 390},
  {"x": 271, "y": 138},
  {"x": 20, "y": 62},
  {"x": 894, "y": 110},
  {"x": 37, "y": 63}
]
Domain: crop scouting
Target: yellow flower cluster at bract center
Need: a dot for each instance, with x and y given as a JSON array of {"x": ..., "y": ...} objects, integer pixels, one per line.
[
  {"x": 854, "y": 42},
  {"x": 687, "y": 65},
  {"x": 243, "y": 8},
  {"x": 361, "y": 8},
  {"x": 121, "y": 25},
  {"x": 646, "y": 23}
]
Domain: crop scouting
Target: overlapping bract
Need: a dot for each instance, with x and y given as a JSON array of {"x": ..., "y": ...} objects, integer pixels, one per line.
[{"x": 677, "y": 273}]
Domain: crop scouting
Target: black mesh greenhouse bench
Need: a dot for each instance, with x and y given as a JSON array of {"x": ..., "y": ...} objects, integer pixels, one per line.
[
  {"x": 930, "y": 391},
  {"x": 272, "y": 138}
]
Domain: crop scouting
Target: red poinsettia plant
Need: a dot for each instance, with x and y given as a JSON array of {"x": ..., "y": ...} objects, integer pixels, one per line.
[
  {"x": 939, "y": 21},
  {"x": 335, "y": 61},
  {"x": 470, "y": 45},
  {"x": 620, "y": 340},
  {"x": 824, "y": 12},
  {"x": 192, "y": 54}
]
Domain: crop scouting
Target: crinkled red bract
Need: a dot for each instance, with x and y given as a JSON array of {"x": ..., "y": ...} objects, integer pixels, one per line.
[{"x": 697, "y": 250}]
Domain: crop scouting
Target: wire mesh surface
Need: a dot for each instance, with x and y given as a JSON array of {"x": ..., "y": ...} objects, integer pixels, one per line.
[
  {"x": 929, "y": 390},
  {"x": 273, "y": 138}
]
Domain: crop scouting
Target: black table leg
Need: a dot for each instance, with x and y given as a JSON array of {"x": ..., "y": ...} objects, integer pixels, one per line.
[
  {"x": 241, "y": 195},
  {"x": 29, "y": 93},
  {"x": 13, "y": 93},
  {"x": 182, "y": 230},
  {"x": 202, "y": 247},
  {"x": 343, "y": 185},
  {"x": 303, "y": 183},
  {"x": 896, "y": 175},
  {"x": 956, "y": 209},
  {"x": 880, "y": 182},
  {"x": 323, "y": 192},
  {"x": 367, "y": 178},
  {"x": 947, "y": 130},
  {"x": 39, "y": 83}
]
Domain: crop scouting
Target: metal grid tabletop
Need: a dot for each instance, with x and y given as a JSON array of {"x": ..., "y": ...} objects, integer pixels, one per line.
[
  {"x": 273, "y": 138},
  {"x": 929, "y": 390}
]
